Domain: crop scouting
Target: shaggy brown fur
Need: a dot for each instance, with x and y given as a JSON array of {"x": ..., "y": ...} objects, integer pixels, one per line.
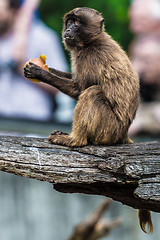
[{"x": 102, "y": 80}]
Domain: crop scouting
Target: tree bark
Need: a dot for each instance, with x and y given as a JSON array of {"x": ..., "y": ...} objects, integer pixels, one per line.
[{"x": 128, "y": 173}]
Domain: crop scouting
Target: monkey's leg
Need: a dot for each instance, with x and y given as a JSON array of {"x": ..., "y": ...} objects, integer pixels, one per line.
[
  {"x": 77, "y": 138},
  {"x": 95, "y": 121}
]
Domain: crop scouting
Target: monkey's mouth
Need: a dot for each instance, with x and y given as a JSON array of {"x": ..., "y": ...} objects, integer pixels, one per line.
[{"x": 69, "y": 40}]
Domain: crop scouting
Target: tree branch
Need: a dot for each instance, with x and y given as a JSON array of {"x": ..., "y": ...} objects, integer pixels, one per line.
[
  {"x": 94, "y": 226},
  {"x": 127, "y": 173}
]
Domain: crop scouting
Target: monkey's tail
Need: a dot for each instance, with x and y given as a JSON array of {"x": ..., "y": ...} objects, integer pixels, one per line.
[
  {"x": 145, "y": 220},
  {"x": 144, "y": 215}
]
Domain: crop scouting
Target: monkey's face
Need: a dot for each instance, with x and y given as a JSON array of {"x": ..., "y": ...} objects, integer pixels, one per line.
[
  {"x": 72, "y": 31},
  {"x": 81, "y": 26}
]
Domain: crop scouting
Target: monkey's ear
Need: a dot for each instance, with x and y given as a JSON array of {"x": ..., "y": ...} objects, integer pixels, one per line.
[{"x": 101, "y": 23}]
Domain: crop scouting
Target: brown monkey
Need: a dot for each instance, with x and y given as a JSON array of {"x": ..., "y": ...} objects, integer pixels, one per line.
[{"x": 102, "y": 80}]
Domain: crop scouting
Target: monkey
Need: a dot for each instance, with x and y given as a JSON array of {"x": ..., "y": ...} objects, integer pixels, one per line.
[{"x": 102, "y": 81}]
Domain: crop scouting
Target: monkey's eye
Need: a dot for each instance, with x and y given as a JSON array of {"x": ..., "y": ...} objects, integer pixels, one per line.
[
  {"x": 77, "y": 23},
  {"x": 69, "y": 22}
]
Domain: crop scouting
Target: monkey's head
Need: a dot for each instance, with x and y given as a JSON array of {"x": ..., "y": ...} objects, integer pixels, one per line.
[{"x": 81, "y": 27}]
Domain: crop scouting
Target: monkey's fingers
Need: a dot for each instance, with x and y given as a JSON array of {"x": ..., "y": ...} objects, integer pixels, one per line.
[
  {"x": 31, "y": 71},
  {"x": 54, "y": 134},
  {"x": 53, "y": 139},
  {"x": 30, "y": 65},
  {"x": 27, "y": 73},
  {"x": 27, "y": 69},
  {"x": 57, "y": 132}
]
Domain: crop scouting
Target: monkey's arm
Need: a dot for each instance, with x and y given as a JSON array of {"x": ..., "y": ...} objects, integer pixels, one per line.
[
  {"x": 60, "y": 73},
  {"x": 64, "y": 84}
]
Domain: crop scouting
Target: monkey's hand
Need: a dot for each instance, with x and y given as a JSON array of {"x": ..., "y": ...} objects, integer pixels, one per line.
[{"x": 33, "y": 71}]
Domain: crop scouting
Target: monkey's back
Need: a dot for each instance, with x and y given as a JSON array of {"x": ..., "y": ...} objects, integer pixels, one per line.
[{"x": 106, "y": 65}]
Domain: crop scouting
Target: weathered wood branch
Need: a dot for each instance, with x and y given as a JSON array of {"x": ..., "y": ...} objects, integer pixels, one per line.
[{"x": 127, "y": 173}]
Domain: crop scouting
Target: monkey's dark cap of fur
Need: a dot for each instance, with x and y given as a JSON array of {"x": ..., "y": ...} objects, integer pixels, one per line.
[
  {"x": 83, "y": 9},
  {"x": 86, "y": 12}
]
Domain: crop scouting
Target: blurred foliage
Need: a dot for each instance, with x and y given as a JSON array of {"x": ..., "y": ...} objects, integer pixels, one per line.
[{"x": 115, "y": 13}]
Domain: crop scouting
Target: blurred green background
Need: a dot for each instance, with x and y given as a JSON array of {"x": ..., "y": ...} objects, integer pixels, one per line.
[{"x": 115, "y": 13}]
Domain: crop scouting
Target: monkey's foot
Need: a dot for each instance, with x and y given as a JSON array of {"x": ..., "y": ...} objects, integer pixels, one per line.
[
  {"x": 60, "y": 139},
  {"x": 54, "y": 134},
  {"x": 64, "y": 140}
]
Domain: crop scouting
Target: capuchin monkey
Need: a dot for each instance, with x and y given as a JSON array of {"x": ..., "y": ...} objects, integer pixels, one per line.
[{"x": 102, "y": 81}]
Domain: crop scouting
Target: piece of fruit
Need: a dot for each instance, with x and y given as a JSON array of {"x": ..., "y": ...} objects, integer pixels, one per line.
[{"x": 41, "y": 62}]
